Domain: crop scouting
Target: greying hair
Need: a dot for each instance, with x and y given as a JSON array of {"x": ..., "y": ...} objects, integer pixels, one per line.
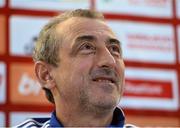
[{"x": 48, "y": 43}]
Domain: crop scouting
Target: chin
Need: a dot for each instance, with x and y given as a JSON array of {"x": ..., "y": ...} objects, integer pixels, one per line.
[{"x": 106, "y": 102}]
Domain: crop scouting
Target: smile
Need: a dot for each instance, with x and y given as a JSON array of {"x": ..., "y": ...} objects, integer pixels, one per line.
[{"x": 103, "y": 80}]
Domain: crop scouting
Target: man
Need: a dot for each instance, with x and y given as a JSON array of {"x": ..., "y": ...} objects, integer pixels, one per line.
[{"x": 79, "y": 64}]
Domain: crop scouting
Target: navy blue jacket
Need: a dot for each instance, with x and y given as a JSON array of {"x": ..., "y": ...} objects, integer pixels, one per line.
[{"x": 118, "y": 121}]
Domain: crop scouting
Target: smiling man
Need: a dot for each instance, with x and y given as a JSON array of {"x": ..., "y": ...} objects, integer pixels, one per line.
[{"x": 79, "y": 64}]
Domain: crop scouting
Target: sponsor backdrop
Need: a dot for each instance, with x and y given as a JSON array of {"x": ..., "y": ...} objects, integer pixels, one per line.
[
  {"x": 17, "y": 26},
  {"x": 2, "y": 83},
  {"x": 3, "y": 34},
  {"x": 149, "y": 31},
  {"x": 178, "y": 8},
  {"x": 50, "y": 4},
  {"x": 140, "y": 39},
  {"x": 151, "y": 8},
  {"x": 179, "y": 41},
  {"x": 2, "y": 3},
  {"x": 2, "y": 119}
]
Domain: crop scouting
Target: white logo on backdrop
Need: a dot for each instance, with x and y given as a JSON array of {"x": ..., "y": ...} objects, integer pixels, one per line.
[
  {"x": 28, "y": 86},
  {"x": 143, "y": 88},
  {"x": 151, "y": 94}
]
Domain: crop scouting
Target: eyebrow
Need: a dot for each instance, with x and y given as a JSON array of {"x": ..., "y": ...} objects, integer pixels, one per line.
[
  {"x": 93, "y": 38},
  {"x": 85, "y": 38},
  {"x": 113, "y": 41}
]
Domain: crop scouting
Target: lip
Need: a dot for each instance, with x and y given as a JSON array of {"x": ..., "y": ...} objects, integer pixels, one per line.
[{"x": 105, "y": 79}]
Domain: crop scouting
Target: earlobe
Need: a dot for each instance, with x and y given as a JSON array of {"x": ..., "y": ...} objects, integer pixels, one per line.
[
  {"x": 50, "y": 84},
  {"x": 42, "y": 71}
]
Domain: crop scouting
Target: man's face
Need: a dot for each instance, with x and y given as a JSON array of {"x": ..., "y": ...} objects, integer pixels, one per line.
[{"x": 91, "y": 69}]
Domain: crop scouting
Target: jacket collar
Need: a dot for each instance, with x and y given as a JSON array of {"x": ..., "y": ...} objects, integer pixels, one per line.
[{"x": 118, "y": 119}]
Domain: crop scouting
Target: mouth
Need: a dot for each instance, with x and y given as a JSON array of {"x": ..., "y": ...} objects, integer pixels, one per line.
[
  {"x": 108, "y": 84},
  {"x": 104, "y": 80}
]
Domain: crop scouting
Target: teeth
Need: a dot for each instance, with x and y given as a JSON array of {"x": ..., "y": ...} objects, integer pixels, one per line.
[{"x": 105, "y": 81}]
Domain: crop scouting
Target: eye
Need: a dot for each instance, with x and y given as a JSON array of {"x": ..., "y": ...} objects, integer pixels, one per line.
[
  {"x": 115, "y": 50},
  {"x": 87, "y": 48}
]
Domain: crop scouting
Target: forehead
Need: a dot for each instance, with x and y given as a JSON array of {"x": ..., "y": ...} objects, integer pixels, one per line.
[{"x": 77, "y": 26}]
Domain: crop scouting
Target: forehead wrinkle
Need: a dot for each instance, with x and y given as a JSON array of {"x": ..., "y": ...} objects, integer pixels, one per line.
[
  {"x": 85, "y": 37},
  {"x": 77, "y": 26},
  {"x": 85, "y": 23}
]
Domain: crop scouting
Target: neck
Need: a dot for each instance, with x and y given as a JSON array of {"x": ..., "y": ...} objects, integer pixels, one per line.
[{"x": 71, "y": 115}]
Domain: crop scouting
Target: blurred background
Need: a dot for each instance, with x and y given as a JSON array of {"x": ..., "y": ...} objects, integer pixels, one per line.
[{"x": 150, "y": 34}]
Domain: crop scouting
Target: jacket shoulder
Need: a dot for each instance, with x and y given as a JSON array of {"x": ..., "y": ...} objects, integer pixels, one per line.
[{"x": 35, "y": 123}]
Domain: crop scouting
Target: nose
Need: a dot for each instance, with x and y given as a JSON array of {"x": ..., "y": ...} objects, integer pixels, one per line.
[{"x": 106, "y": 59}]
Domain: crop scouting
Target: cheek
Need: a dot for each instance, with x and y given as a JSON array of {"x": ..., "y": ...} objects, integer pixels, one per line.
[
  {"x": 77, "y": 77},
  {"x": 120, "y": 68},
  {"x": 80, "y": 72},
  {"x": 82, "y": 66}
]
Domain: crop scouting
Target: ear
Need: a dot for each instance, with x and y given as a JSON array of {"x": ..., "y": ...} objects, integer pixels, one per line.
[{"x": 42, "y": 71}]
